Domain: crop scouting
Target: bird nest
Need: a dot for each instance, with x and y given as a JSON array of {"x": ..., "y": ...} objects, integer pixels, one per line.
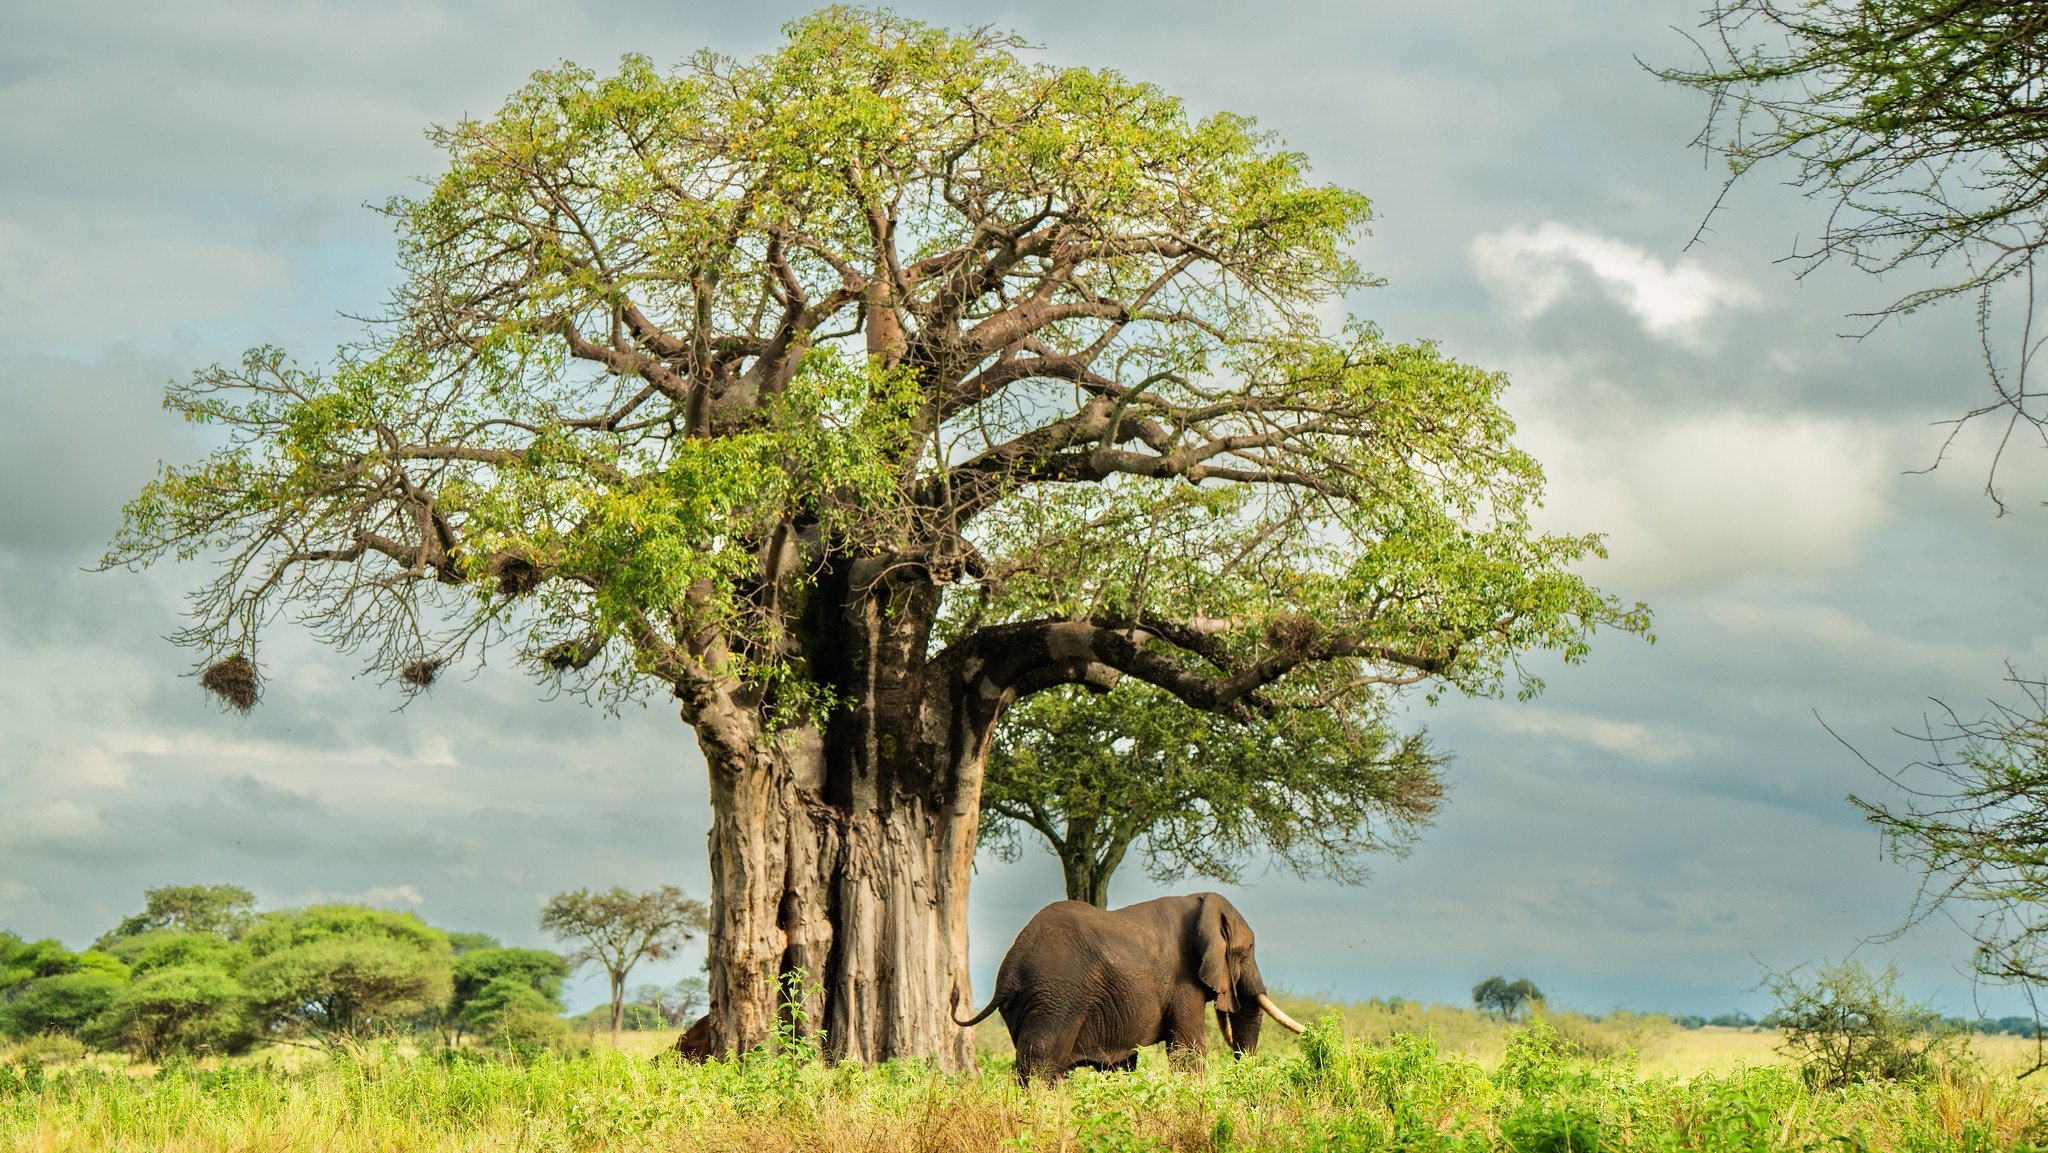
[
  {"x": 232, "y": 680},
  {"x": 421, "y": 673}
]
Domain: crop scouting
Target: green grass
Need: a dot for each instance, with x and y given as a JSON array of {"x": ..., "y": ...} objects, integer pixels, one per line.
[{"x": 1329, "y": 1092}]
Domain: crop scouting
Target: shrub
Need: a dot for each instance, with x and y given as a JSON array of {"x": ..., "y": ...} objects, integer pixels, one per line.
[
  {"x": 64, "y": 1003},
  {"x": 187, "y": 1009},
  {"x": 338, "y": 971},
  {"x": 1848, "y": 1024},
  {"x": 172, "y": 949},
  {"x": 46, "y": 1049}
]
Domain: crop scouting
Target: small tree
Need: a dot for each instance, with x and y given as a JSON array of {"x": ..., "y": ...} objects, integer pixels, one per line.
[
  {"x": 338, "y": 971},
  {"x": 1848, "y": 1024},
  {"x": 181, "y": 1009},
  {"x": 491, "y": 982},
  {"x": 1094, "y": 773},
  {"x": 223, "y": 910},
  {"x": 1508, "y": 998},
  {"x": 678, "y": 1004},
  {"x": 619, "y": 929}
]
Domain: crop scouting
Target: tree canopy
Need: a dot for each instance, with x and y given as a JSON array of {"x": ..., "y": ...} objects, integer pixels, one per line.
[
  {"x": 1922, "y": 123},
  {"x": 851, "y": 393},
  {"x": 618, "y": 930},
  {"x": 339, "y": 971},
  {"x": 225, "y": 910},
  {"x": 1093, "y": 774},
  {"x": 1500, "y": 995},
  {"x": 611, "y": 376}
]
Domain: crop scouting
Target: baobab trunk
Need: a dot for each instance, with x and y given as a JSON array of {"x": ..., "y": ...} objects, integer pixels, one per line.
[{"x": 845, "y": 855}]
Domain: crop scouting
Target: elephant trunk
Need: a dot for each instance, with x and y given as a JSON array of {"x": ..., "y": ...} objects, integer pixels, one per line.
[{"x": 1244, "y": 1027}]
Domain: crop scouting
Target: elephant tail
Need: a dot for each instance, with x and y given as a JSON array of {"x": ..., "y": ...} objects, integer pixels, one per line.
[{"x": 978, "y": 1018}]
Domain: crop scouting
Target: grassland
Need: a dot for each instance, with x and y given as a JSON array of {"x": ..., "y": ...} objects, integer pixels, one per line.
[{"x": 1370, "y": 1076}]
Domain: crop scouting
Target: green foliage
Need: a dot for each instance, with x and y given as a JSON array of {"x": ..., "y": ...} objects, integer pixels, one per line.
[
  {"x": 340, "y": 971},
  {"x": 45, "y": 958},
  {"x": 63, "y": 1002},
  {"x": 171, "y": 949},
  {"x": 1400, "y": 1094},
  {"x": 469, "y": 942},
  {"x": 1846, "y": 1024},
  {"x": 1508, "y": 998},
  {"x": 499, "y": 989},
  {"x": 648, "y": 328},
  {"x": 1312, "y": 788},
  {"x": 1922, "y": 119},
  {"x": 221, "y": 910},
  {"x": 537, "y": 969},
  {"x": 178, "y": 1008}
]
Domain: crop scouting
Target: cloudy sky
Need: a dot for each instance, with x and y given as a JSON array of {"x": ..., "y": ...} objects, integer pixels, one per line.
[{"x": 184, "y": 180}]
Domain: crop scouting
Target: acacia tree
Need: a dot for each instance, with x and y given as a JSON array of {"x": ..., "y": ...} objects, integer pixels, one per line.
[
  {"x": 1500, "y": 995},
  {"x": 619, "y": 929},
  {"x": 1924, "y": 126},
  {"x": 850, "y": 394},
  {"x": 1093, "y": 774},
  {"x": 1973, "y": 819}
]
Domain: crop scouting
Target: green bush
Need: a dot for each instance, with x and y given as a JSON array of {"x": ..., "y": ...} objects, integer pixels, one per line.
[
  {"x": 1848, "y": 1024},
  {"x": 173, "y": 949},
  {"x": 186, "y": 1009},
  {"x": 64, "y": 1003},
  {"x": 337, "y": 971}
]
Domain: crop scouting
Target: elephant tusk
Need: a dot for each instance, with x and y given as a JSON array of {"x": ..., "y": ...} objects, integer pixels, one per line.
[
  {"x": 1286, "y": 1021},
  {"x": 1223, "y": 1023}
]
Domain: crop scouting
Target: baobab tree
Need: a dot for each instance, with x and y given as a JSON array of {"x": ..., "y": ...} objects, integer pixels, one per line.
[{"x": 849, "y": 394}]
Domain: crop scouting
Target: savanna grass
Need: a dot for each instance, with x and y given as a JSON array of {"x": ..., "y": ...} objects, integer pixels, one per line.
[{"x": 1329, "y": 1093}]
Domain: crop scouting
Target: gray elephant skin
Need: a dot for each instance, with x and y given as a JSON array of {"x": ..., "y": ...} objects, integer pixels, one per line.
[{"x": 1084, "y": 987}]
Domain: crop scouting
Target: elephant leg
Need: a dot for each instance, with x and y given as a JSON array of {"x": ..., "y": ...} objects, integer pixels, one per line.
[
  {"x": 1187, "y": 1033},
  {"x": 1047, "y": 1052}
]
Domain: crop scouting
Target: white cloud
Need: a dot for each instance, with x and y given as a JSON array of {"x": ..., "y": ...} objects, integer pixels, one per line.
[
  {"x": 1531, "y": 269},
  {"x": 1647, "y": 742},
  {"x": 1700, "y": 499}
]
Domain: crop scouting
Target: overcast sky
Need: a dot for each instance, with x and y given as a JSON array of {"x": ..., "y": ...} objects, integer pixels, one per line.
[{"x": 184, "y": 180}]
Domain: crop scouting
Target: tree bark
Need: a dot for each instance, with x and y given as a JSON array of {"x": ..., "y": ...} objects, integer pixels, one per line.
[{"x": 845, "y": 854}]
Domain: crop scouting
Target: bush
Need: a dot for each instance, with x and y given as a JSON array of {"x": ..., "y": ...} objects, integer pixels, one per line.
[
  {"x": 1848, "y": 1024},
  {"x": 64, "y": 1003},
  {"x": 341, "y": 970},
  {"x": 172, "y": 949},
  {"x": 188, "y": 1009},
  {"x": 46, "y": 1049}
]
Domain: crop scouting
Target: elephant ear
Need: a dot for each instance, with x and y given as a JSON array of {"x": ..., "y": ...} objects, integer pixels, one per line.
[{"x": 1212, "y": 941}]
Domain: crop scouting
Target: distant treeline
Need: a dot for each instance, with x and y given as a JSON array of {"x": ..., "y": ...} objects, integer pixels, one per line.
[
  {"x": 2010, "y": 1026},
  {"x": 201, "y": 971}
]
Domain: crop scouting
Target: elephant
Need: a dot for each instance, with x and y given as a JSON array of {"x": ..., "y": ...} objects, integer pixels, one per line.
[
  {"x": 1084, "y": 987},
  {"x": 695, "y": 1042}
]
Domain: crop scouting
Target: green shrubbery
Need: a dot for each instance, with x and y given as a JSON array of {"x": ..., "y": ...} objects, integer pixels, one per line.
[
  {"x": 199, "y": 973},
  {"x": 1846, "y": 1024}
]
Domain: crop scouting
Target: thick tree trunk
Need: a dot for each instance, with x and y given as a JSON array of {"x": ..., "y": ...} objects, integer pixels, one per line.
[{"x": 846, "y": 855}]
